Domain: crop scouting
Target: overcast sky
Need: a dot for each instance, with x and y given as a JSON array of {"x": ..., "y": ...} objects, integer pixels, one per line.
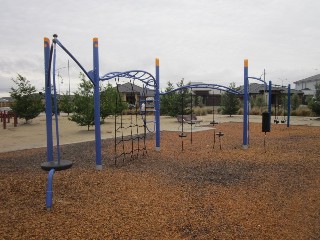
[{"x": 198, "y": 40}]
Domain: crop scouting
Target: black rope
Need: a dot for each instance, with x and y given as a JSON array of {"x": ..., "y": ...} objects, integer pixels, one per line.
[
  {"x": 129, "y": 145},
  {"x": 182, "y": 135}
]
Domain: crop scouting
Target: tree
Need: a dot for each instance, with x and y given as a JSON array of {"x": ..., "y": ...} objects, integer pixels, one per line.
[
  {"x": 295, "y": 101},
  {"x": 27, "y": 103},
  {"x": 230, "y": 102},
  {"x": 84, "y": 103},
  {"x": 168, "y": 101},
  {"x": 110, "y": 102},
  {"x": 66, "y": 103},
  {"x": 171, "y": 104},
  {"x": 314, "y": 103}
]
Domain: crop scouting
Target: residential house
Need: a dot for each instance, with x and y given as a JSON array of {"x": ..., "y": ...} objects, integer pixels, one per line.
[
  {"x": 209, "y": 97},
  {"x": 307, "y": 86},
  {"x": 5, "y": 102},
  {"x": 256, "y": 89},
  {"x": 134, "y": 94}
]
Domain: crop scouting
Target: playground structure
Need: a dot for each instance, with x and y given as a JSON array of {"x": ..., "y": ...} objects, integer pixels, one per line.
[
  {"x": 145, "y": 77},
  {"x": 137, "y": 120},
  {"x": 5, "y": 117},
  {"x": 191, "y": 118},
  {"x": 93, "y": 75},
  {"x": 148, "y": 80}
]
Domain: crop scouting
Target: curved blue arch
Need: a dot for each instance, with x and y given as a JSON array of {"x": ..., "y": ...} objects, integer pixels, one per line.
[
  {"x": 261, "y": 80},
  {"x": 203, "y": 85},
  {"x": 143, "y": 76}
]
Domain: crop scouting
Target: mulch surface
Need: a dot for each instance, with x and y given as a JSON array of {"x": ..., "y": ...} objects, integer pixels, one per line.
[{"x": 270, "y": 192}]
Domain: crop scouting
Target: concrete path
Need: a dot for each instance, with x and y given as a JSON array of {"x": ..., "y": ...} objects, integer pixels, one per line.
[{"x": 33, "y": 135}]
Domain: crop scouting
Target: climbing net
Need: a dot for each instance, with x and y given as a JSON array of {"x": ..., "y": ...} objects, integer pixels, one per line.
[{"x": 130, "y": 128}]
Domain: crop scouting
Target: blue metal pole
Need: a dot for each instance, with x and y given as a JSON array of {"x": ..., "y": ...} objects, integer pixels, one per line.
[
  {"x": 157, "y": 104},
  {"x": 96, "y": 79},
  {"x": 49, "y": 192},
  {"x": 245, "y": 106},
  {"x": 270, "y": 102},
  {"x": 289, "y": 105},
  {"x": 48, "y": 99},
  {"x": 55, "y": 102},
  {"x": 270, "y": 98}
]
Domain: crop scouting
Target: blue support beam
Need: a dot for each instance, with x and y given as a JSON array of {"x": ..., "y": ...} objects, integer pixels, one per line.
[
  {"x": 157, "y": 105},
  {"x": 47, "y": 65},
  {"x": 270, "y": 102},
  {"x": 96, "y": 79},
  {"x": 289, "y": 105},
  {"x": 245, "y": 106}
]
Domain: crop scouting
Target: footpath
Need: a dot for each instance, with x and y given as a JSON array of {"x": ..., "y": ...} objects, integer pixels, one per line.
[{"x": 33, "y": 134}]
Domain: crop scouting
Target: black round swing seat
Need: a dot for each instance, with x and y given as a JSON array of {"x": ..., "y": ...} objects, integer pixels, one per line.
[
  {"x": 182, "y": 135},
  {"x": 58, "y": 166},
  {"x": 220, "y": 134}
]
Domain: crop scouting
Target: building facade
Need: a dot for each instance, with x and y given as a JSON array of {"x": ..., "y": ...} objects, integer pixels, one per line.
[{"x": 307, "y": 85}]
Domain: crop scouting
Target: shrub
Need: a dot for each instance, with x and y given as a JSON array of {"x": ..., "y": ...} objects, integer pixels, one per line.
[
  {"x": 199, "y": 111},
  {"x": 255, "y": 111}
]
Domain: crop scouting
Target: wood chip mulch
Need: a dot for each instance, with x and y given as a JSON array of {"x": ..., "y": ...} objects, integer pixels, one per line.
[{"x": 202, "y": 192}]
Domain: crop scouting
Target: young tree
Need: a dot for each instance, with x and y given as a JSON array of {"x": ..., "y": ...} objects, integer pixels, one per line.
[
  {"x": 66, "y": 103},
  {"x": 27, "y": 103},
  {"x": 295, "y": 101},
  {"x": 110, "y": 102},
  {"x": 314, "y": 103},
  {"x": 230, "y": 102},
  {"x": 171, "y": 104},
  {"x": 84, "y": 104},
  {"x": 168, "y": 101}
]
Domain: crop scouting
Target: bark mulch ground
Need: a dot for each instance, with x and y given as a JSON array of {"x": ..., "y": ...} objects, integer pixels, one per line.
[{"x": 270, "y": 192}]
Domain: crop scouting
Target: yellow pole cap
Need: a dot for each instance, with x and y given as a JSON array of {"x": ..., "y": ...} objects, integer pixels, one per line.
[
  {"x": 95, "y": 41},
  {"x": 157, "y": 62},
  {"x": 246, "y": 63},
  {"x": 46, "y": 42}
]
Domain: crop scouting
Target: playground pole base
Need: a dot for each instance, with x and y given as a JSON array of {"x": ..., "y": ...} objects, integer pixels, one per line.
[
  {"x": 58, "y": 166},
  {"x": 99, "y": 167},
  {"x": 245, "y": 147}
]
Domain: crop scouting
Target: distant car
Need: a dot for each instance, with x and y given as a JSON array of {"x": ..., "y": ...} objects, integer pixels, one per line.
[
  {"x": 7, "y": 109},
  {"x": 131, "y": 106}
]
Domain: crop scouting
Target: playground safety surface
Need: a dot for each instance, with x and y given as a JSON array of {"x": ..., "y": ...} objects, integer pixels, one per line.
[{"x": 202, "y": 192}]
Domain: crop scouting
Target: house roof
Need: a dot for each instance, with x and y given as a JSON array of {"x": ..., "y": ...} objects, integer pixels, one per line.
[
  {"x": 256, "y": 88},
  {"x": 131, "y": 88},
  {"x": 314, "y": 78},
  {"x": 6, "y": 99}
]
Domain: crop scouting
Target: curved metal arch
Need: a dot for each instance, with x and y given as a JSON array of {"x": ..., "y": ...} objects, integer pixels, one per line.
[
  {"x": 259, "y": 79},
  {"x": 143, "y": 76},
  {"x": 210, "y": 86}
]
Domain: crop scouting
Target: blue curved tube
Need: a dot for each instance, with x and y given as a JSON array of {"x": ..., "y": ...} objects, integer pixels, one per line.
[
  {"x": 202, "y": 85},
  {"x": 49, "y": 193}
]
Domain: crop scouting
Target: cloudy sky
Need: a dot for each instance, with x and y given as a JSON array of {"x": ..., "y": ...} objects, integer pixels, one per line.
[{"x": 198, "y": 40}]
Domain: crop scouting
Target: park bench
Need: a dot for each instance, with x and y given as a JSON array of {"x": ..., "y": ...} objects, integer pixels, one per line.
[{"x": 189, "y": 119}]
